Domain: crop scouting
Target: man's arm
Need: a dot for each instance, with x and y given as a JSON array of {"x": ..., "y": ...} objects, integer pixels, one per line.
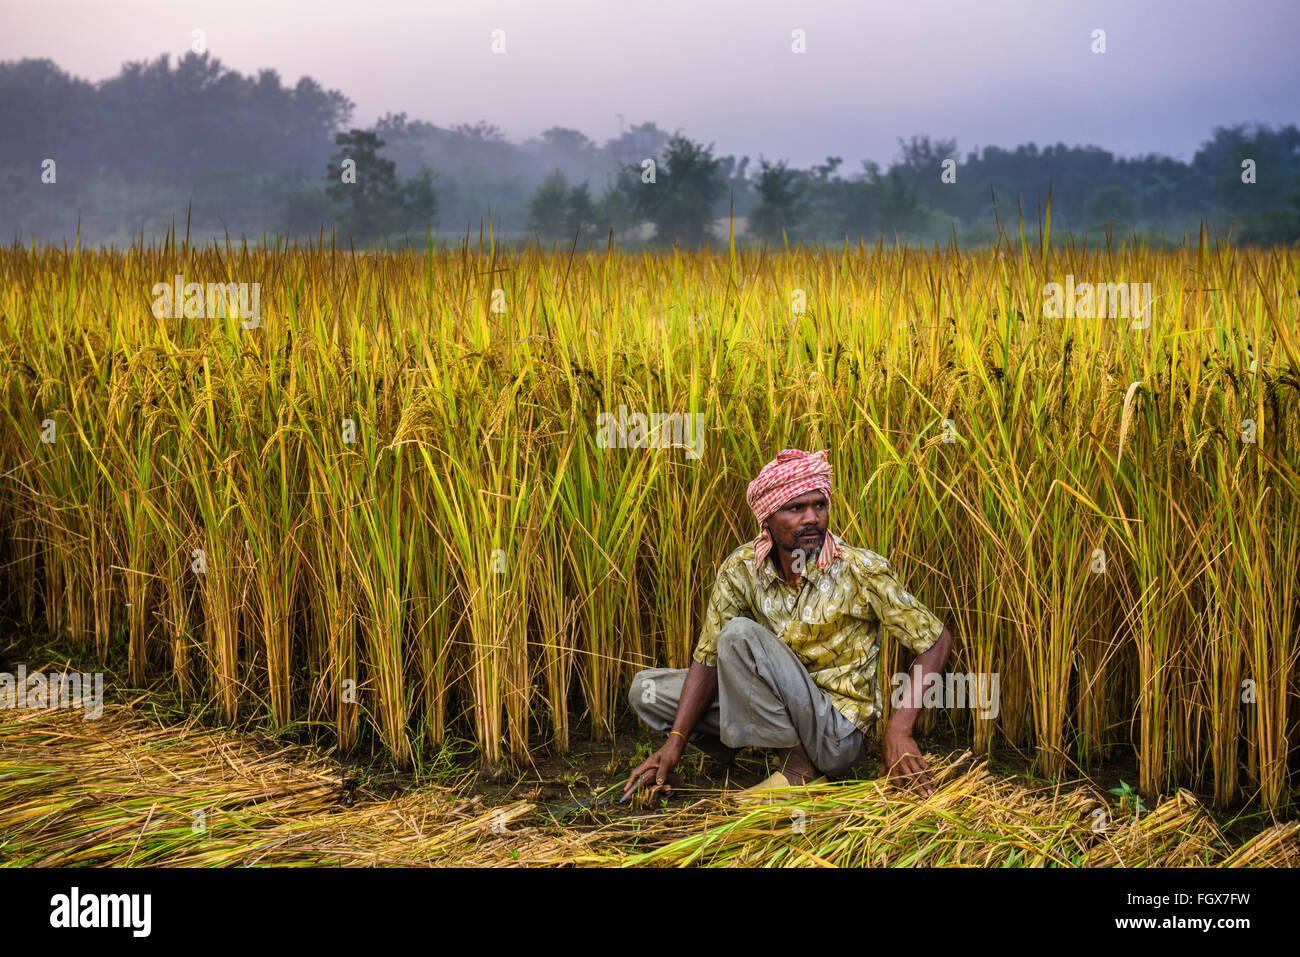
[
  {"x": 698, "y": 689},
  {"x": 902, "y": 755},
  {"x": 918, "y": 629},
  {"x": 727, "y": 600}
]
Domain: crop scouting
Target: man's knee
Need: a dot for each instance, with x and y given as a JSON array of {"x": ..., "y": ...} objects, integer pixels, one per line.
[
  {"x": 736, "y": 635},
  {"x": 642, "y": 692},
  {"x": 653, "y": 695}
]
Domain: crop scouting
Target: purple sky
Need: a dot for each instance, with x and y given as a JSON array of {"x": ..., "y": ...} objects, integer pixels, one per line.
[{"x": 994, "y": 73}]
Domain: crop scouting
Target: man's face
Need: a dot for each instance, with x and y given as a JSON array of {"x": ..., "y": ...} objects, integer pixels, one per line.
[{"x": 801, "y": 523}]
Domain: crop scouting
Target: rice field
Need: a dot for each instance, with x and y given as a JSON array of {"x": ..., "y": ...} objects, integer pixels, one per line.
[{"x": 384, "y": 505}]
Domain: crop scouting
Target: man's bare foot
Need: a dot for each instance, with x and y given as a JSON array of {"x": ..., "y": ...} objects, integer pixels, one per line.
[{"x": 795, "y": 765}]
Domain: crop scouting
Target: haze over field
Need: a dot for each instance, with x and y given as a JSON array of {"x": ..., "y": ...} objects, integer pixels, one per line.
[{"x": 482, "y": 89}]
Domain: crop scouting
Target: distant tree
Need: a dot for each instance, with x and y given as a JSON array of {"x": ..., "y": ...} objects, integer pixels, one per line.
[
  {"x": 1111, "y": 204},
  {"x": 738, "y": 191},
  {"x": 1156, "y": 182},
  {"x": 581, "y": 217},
  {"x": 854, "y": 205},
  {"x": 880, "y": 204},
  {"x": 1275, "y": 156},
  {"x": 307, "y": 209},
  {"x": 373, "y": 204},
  {"x": 823, "y": 171},
  {"x": 419, "y": 200},
  {"x": 392, "y": 126},
  {"x": 782, "y": 200},
  {"x": 681, "y": 201},
  {"x": 922, "y": 159},
  {"x": 827, "y": 196},
  {"x": 1281, "y": 225},
  {"x": 900, "y": 206},
  {"x": 616, "y": 210},
  {"x": 481, "y": 132},
  {"x": 548, "y": 210},
  {"x": 43, "y": 112},
  {"x": 637, "y": 143},
  {"x": 569, "y": 145}
]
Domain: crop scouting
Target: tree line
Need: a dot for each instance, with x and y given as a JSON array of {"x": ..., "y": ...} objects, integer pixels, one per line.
[{"x": 251, "y": 156}]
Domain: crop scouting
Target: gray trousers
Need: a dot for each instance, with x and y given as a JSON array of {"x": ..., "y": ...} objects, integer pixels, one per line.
[{"x": 765, "y": 699}]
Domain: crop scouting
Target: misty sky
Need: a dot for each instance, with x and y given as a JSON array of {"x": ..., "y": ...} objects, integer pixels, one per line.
[{"x": 992, "y": 73}]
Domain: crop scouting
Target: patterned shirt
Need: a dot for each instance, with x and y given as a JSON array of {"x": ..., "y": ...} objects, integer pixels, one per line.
[{"x": 831, "y": 620}]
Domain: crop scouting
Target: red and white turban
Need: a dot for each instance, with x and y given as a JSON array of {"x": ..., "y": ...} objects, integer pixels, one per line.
[{"x": 789, "y": 475}]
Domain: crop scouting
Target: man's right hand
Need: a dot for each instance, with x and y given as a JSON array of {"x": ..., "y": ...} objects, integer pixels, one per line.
[{"x": 659, "y": 767}]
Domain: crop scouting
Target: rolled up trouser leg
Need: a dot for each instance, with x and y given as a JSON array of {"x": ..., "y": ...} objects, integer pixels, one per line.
[
  {"x": 654, "y": 696},
  {"x": 767, "y": 699}
]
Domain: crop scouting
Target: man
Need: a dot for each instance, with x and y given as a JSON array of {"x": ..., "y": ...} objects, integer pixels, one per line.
[{"x": 786, "y": 657}]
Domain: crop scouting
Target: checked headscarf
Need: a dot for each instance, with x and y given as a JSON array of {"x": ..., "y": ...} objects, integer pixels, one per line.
[{"x": 791, "y": 474}]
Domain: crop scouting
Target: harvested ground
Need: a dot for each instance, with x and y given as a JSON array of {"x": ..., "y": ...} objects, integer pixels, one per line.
[
  {"x": 126, "y": 790},
  {"x": 148, "y": 784}
]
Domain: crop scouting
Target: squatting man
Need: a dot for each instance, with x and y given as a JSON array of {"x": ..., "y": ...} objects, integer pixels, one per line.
[{"x": 786, "y": 656}]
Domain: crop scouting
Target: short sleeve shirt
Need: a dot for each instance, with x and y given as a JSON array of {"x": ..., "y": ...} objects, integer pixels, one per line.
[{"x": 831, "y": 620}]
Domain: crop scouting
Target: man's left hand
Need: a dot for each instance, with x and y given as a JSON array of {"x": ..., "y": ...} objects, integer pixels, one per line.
[{"x": 904, "y": 763}]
